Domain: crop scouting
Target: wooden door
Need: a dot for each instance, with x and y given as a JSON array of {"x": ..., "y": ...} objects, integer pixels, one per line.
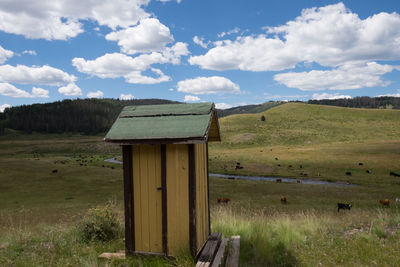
[{"x": 147, "y": 198}]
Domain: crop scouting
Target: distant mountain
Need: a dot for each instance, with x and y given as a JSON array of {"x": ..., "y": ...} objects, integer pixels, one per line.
[
  {"x": 247, "y": 109},
  {"x": 384, "y": 102},
  {"x": 87, "y": 116}
]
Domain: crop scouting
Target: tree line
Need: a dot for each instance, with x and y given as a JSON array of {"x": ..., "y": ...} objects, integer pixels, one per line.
[
  {"x": 86, "y": 116},
  {"x": 384, "y": 102}
]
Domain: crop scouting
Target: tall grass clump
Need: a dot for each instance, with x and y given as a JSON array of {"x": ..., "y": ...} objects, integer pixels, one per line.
[
  {"x": 100, "y": 224},
  {"x": 266, "y": 239}
]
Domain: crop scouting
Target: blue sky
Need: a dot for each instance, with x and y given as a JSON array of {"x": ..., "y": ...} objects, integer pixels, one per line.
[{"x": 228, "y": 52}]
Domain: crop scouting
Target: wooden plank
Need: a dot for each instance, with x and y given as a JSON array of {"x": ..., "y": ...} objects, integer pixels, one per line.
[
  {"x": 164, "y": 198},
  {"x": 232, "y": 259},
  {"x": 192, "y": 200},
  {"x": 108, "y": 255},
  {"x": 128, "y": 200},
  {"x": 220, "y": 253},
  {"x": 177, "y": 198},
  {"x": 208, "y": 192},
  {"x": 210, "y": 248},
  {"x": 137, "y": 197}
]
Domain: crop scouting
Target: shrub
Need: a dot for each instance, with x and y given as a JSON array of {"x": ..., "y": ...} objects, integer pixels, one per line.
[{"x": 99, "y": 224}]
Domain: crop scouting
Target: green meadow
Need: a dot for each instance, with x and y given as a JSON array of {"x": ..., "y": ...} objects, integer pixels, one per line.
[{"x": 40, "y": 209}]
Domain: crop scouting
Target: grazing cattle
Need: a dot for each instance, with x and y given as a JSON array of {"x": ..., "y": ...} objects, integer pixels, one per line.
[
  {"x": 368, "y": 171},
  {"x": 343, "y": 206},
  {"x": 290, "y": 166},
  {"x": 276, "y": 158},
  {"x": 238, "y": 167},
  {"x": 279, "y": 180},
  {"x": 301, "y": 166},
  {"x": 55, "y": 171},
  {"x": 360, "y": 163},
  {"x": 348, "y": 173},
  {"x": 283, "y": 199},
  {"x": 394, "y": 174},
  {"x": 224, "y": 200},
  {"x": 279, "y": 165},
  {"x": 298, "y": 181},
  {"x": 385, "y": 202}
]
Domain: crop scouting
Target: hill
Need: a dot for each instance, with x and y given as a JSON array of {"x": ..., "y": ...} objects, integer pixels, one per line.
[
  {"x": 87, "y": 116},
  {"x": 248, "y": 109},
  {"x": 299, "y": 124}
]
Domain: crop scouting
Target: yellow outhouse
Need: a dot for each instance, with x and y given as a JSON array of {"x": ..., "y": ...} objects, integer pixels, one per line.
[{"x": 165, "y": 164}]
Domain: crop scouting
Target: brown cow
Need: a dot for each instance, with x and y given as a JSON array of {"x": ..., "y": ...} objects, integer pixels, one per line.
[
  {"x": 283, "y": 199},
  {"x": 298, "y": 181},
  {"x": 279, "y": 180},
  {"x": 223, "y": 200},
  {"x": 385, "y": 202}
]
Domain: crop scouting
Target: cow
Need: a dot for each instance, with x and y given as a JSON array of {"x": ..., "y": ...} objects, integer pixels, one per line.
[
  {"x": 360, "y": 164},
  {"x": 223, "y": 200},
  {"x": 368, "y": 171},
  {"x": 343, "y": 206},
  {"x": 298, "y": 181},
  {"x": 55, "y": 171},
  {"x": 276, "y": 158},
  {"x": 279, "y": 180},
  {"x": 348, "y": 173},
  {"x": 397, "y": 200},
  {"x": 283, "y": 199},
  {"x": 394, "y": 174},
  {"x": 385, "y": 202}
]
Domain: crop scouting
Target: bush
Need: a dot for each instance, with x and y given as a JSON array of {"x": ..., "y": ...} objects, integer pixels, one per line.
[{"x": 99, "y": 224}]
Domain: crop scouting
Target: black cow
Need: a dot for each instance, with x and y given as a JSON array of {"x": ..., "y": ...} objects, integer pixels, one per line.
[
  {"x": 394, "y": 174},
  {"x": 343, "y": 206}
]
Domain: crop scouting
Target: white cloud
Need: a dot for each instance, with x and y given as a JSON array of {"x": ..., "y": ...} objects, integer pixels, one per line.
[
  {"x": 321, "y": 96},
  {"x": 222, "y": 106},
  {"x": 10, "y": 90},
  {"x": 208, "y": 85},
  {"x": 200, "y": 41},
  {"x": 393, "y": 95},
  {"x": 348, "y": 76},
  {"x": 191, "y": 98},
  {"x": 330, "y": 36},
  {"x": 44, "y": 75},
  {"x": 97, "y": 94},
  {"x": 40, "y": 92},
  {"x": 233, "y": 31},
  {"x": 59, "y": 20},
  {"x": 30, "y": 52},
  {"x": 126, "y": 97},
  {"x": 4, "y": 106},
  {"x": 150, "y": 35},
  {"x": 5, "y": 54},
  {"x": 119, "y": 65},
  {"x": 70, "y": 90}
]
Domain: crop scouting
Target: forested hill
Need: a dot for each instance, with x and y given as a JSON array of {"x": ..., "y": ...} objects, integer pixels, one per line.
[
  {"x": 385, "y": 102},
  {"x": 248, "y": 109},
  {"x": 87, "y": 116}
]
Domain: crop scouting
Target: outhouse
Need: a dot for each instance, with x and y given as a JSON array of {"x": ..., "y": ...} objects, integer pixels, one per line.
[{"x": 165, "y": 167}]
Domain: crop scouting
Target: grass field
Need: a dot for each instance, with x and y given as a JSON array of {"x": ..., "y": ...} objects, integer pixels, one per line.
[{"x": 39, "y": 209}]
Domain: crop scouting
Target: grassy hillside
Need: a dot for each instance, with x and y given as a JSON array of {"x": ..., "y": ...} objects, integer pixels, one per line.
[
  {"x": 310, "y": 141},
  {"x": 302, "y": 124},
  {"x": 246, "y": 109}
]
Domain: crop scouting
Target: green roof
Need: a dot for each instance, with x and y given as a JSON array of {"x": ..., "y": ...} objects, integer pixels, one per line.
[{"x": 170, "y": 123}]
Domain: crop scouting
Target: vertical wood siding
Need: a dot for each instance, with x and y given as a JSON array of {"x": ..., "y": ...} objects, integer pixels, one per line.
[
  {"x": 177, "y": 198},
  {"x": 201, "y": 195},
  {"x": 147, "y": 198}
]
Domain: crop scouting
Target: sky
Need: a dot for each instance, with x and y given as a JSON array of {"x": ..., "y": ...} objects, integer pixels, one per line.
[{"x": 228, "y": 52}]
